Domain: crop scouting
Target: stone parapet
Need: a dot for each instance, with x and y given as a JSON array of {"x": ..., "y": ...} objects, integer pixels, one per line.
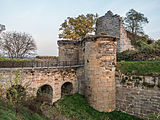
[{"x": 68, "y": 42}]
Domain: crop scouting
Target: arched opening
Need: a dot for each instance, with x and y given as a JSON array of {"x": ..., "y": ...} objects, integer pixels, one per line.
[
  {"x": 66, "y": 89},
  {"x": 16, "y": 93},
  {"x": 45, "y": 94}
]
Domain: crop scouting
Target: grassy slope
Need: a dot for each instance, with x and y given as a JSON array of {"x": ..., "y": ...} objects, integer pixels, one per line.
[
  {"x": 74, "y": 106},
  {"x": 7, "y": 112},
  {"x": 139, "y": 67}
]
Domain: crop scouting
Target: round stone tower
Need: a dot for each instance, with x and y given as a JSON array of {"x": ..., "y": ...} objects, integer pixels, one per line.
[{"x": 100, "y": 61}]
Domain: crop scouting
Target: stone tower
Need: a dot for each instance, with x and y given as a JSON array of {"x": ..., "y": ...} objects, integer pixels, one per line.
[
  {"x": 111, "y": 24},
  {"x": 68, "y": 52},
  {"x": 100, "y": 61}
]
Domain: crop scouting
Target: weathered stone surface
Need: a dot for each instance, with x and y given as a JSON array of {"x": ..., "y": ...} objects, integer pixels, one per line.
[
  {"x": 99, "y": 81},
  {"x": 68, "y": 51},
  {"x": 36, "y": 78},
  {"x": 111, "y": 24},
  {"x": 137, "y": 95},
  {"x": 81, "y": 80}
]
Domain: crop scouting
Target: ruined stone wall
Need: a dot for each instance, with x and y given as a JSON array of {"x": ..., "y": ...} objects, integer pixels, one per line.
[
  {"x": 138, "y": 95},
  {"x": 81, "y": 80},
  {"x": 28, "y": 63},
  {"x": 45, "y": 58},
  {"x": 100, "y": 60},
  {"x": 80, "y": 71},
  {"x": 124, "y": 43},
  {"x": 81, "y": 50},
  {"x": 36, "y": 78},
  {"x": 68, "y": 51},
  {"x": 111, "y": 24}
]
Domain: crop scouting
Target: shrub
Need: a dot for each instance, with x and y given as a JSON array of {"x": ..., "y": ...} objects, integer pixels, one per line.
[
  {"x": 126, "y": 55},
  {"x": 145, "y": 54},
  {"x": 150, "y": 41},
  {"x": 139, "y": 67}
]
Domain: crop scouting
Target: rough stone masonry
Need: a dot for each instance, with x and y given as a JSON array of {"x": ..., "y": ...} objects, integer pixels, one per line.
[
  {"x": 138, "y": 95},
  {"x": 96, "y": 79},
  {"x": 39, "y": 77},
  {"x": 111, "y": 24},
  {"x": 100, "y": 61}
]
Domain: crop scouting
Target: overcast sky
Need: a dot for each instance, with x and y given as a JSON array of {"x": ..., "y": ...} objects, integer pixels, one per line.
[{"x": 42, "y": 18}]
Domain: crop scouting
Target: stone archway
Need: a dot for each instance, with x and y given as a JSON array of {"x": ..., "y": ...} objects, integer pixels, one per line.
[
  {"x": 45, "y": 93},
  {"x": 66, "y": 89}
]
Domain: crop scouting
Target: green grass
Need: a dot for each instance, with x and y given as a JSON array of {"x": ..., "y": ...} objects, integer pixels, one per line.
[
  {"x": 7, "y": 112},
  {"x": 74, "y": 106},
  {"x": 15, "y": 59},
  {"x": 139, "y": 67}
]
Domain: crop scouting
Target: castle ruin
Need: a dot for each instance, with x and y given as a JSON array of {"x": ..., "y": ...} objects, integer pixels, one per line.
[
  {"x": 96, "y": 55},
  {"x": 96, "y": 78},
  {"x": 88, "y": 67},
  {"x": 111, "y": 24}
]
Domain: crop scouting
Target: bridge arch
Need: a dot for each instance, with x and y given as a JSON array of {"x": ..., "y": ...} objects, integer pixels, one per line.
[
  {"x": 45, "y": 93},
  {"x": 66, "y": 88},
  {"x": 50, "y": 79}
]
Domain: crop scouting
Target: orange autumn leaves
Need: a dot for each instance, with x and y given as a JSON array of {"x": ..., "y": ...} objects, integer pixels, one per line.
[{"x": 77, "y": 28}]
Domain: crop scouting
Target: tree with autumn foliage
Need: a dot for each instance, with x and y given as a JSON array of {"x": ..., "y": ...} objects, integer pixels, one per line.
[{"x": 78, "y": 27}]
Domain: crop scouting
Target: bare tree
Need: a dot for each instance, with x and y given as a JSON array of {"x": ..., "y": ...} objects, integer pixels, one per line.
[
  {"x": 17, "y": 45},
  {"x": 134, "y": 21}
]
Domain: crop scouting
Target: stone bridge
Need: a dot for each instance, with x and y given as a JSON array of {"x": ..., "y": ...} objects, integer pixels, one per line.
[{"x": 55, "y": 82}]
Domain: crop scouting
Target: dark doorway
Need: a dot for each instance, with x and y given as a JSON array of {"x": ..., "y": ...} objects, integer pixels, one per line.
[
  {"x": 66, "y": 89},
  {"x": 45, "y": 94}
]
